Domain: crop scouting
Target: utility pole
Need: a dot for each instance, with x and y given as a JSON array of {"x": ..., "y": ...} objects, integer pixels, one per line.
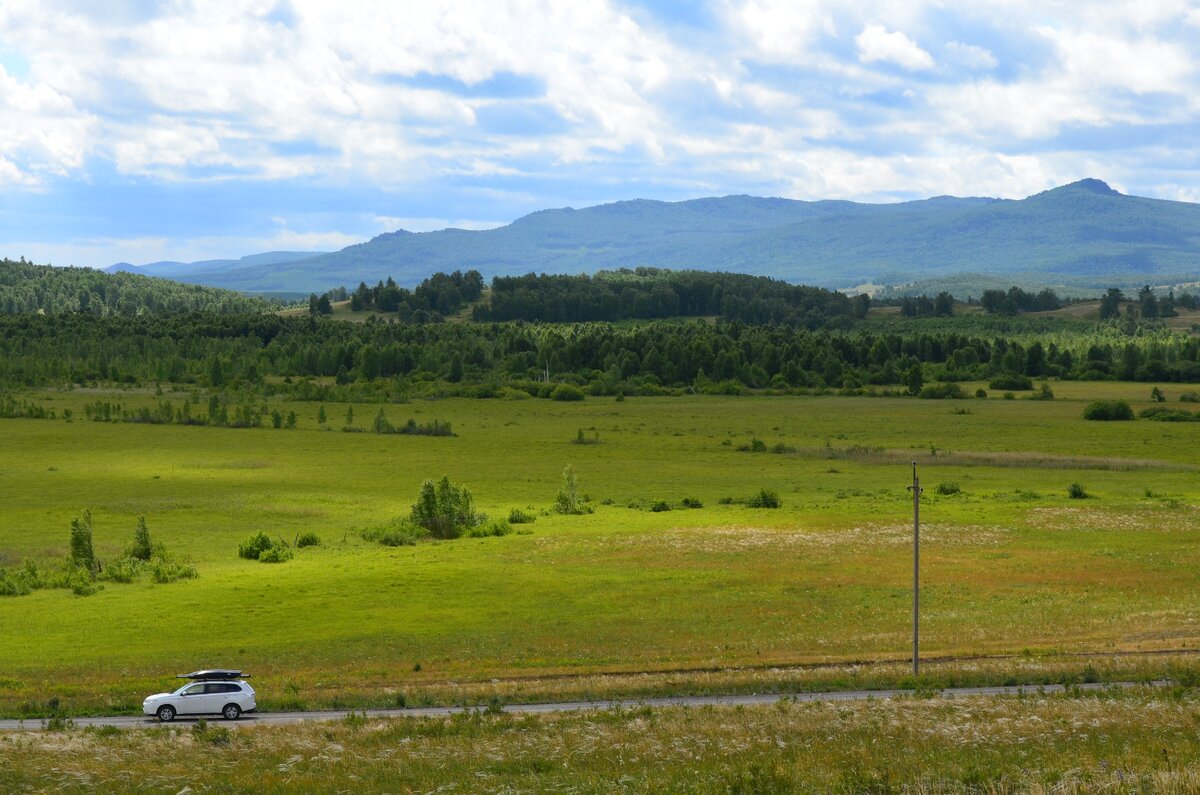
[{"x": 916, "y": 490}]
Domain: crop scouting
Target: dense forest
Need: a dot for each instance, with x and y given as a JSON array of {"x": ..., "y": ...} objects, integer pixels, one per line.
[
  {"x": 654, "y": 293},
  {"x": 288, "y": 355},
  {"x": 25, "y": 287}
]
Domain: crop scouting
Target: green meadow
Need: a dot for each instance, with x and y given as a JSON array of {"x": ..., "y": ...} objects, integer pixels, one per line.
[{"x": 624, "y": 600}]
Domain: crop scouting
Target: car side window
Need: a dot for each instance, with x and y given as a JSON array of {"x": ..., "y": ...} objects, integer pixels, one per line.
[{"x": 194, "y": 690}]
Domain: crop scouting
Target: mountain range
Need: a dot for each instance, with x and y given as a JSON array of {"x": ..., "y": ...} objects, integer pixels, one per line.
[{"x": 1084, "y": 235}]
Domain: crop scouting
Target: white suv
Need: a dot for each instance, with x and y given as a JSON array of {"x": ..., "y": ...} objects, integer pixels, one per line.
[{"x": 218, "y": 692}]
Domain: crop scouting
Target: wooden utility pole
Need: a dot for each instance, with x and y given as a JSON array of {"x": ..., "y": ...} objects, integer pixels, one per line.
[{"x": 916, "y": 621}]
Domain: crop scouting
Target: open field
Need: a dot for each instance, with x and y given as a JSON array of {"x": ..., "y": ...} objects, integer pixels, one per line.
[
  {"x": 1121, "y": 742},
  {"x": 624, "y": 600}
]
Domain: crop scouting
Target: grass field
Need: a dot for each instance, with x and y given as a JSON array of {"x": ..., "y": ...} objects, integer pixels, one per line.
[
  {"x": 615, "y": 601},
  {"x": 1128, "y": 742}
]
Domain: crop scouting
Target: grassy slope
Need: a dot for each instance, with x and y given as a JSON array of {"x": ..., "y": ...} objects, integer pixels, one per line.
[
  {"x": 1133, "y": 742},
  {"x": 1009, "y": 564}
]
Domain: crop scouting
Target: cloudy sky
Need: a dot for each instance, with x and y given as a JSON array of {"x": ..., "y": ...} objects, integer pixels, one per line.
[{"x": 138, "y": 130}]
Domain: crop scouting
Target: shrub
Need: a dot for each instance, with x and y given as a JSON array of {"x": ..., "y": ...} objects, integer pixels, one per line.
[
  {"x": 124, "y": 570},
  {"x": 756, "y": 445},
  {"x": 1165, "y": 414},
  {"x": 945, "y": 391},
  {"x": 253, "y": 546},
  {"x": 1011, "y": 381},
  {"x": 779, "y": 448},
  {"x": 1044, "y": 393},
  {"x": 517, "y": 516},
  {"x": 568, "y": 500},
  {"x": 19, "y": 582},
  {"x": 166, "y": 569},
  {"x": 980, "y": 393},
  {"x": 444, "y": 509},
  {"x": 399, "y": 532},
  {"x": 580, "y": 438},
  {"x": 496, "y": 528},
  {"x": 1108, "y": 410},
  {"x": 142, "y": 549},
  {"x": 1076, "y": 491},
  {"x": 82, "y": 552},
  {"x": 81, "y": 581},
  {"x": 308, "y": 539},
  {"x": 432, "y": 428},
  {"x": 278, "y": 552},
  {"x": 764, "y": 499},
  {"x": 1157, "y": 395},
  {"x": 948, "y": 489},
  {"x": 567, "y": 392},
  {"x": 1190, "y": 397},
  {"x": 691, "y": 502},
  {"x": 658, "y": 506}
]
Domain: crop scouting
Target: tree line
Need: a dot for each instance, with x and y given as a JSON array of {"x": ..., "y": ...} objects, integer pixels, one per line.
[
  {"x": 434, "y": 298},
  {"x": 305, "y": 357},
  {"x": 29, "y": 288},
  {"x": 654, "y": 293}
]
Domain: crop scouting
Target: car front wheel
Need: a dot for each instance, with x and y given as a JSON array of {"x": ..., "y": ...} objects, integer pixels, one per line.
[
  {"x": 166, "y": 713},
  {"x": 231, "y": 711}
]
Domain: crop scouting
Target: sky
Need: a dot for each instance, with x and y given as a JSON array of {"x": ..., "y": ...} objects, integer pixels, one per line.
[{"x": 138, "y": 131}]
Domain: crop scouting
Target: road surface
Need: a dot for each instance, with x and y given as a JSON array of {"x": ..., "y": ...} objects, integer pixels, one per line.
[{"x": 754, "y": 699}]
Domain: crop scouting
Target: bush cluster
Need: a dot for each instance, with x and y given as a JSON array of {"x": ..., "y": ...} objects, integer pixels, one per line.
[
  {"x": 946, "y": 391},
  {"x": 1108, "y": 410},
  {"x": 1164, "y": 414},
  {"x": 262, "y": 548},
  {"x": 397, "y": 532},
  {"x": 445, "y": 509},
  {"x": 82, "y": 572}
]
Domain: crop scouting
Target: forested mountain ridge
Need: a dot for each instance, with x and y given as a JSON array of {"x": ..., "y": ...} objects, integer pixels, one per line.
[
  {"x": 27, "y": 288},
  {"x": 1084, "y": 235}
]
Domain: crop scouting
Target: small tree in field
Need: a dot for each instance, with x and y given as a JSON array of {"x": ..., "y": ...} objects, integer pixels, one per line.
[
  {"x": 82, "y": 553},
  {"x": 568, "y": 500},
  {"x": 142, "y": 549},
  {"x": 444, "y": 509}
]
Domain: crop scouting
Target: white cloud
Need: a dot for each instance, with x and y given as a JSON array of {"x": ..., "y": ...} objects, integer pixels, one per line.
[
  {"x": 876, "y": 43},
  {"x": 778, "y": 96},
  {"x": 779, "y": 30},
  {"x": 1142, "y": 64},
  {"x": 971, "y": 56},
  {"x": 388, "y": 223}
]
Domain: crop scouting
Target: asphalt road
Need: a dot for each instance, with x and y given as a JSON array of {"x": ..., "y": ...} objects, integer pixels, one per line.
[{"x": 278, "y": 718}]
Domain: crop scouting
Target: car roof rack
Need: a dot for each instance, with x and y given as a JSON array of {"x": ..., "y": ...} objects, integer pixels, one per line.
[{"x": 214, "y": 673}]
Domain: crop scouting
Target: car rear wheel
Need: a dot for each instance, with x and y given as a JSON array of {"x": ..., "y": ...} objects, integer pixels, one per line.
[
  {"x": 166, "y": 713},
  {"x": 231, "y": 711}
]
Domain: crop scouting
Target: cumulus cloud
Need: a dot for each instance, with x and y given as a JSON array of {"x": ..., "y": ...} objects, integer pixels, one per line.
[
  {"x": 971, "y": 56},
  {"x": 877, "y": 43},
  {"x": 464, "y": 110}
]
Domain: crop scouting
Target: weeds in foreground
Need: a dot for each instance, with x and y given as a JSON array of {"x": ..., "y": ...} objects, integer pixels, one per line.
[{"x": 1127, "y": 742}]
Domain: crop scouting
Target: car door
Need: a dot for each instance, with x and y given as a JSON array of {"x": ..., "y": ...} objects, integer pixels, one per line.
[
  {"x": 193, "y": 700},
  {"x": 224, "y": 693}
]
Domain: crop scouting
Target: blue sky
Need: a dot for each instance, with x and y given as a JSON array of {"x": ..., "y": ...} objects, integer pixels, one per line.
[{"x": 138, "y": 131}]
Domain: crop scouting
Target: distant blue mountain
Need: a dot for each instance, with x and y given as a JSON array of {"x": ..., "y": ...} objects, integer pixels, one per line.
[
  {"x": 210, "y": 269},
  {"x": 1084, "y": 235}
]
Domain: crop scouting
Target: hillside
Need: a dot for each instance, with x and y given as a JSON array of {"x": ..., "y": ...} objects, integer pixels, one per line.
[
  {"x": 1083, "y": 235},
  {"x": 205, "y": 271},
  {"x": 28, "y": 288}
]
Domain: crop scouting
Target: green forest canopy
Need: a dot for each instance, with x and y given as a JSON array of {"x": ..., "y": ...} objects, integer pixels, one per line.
[{"x": 25, "y": 287}]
